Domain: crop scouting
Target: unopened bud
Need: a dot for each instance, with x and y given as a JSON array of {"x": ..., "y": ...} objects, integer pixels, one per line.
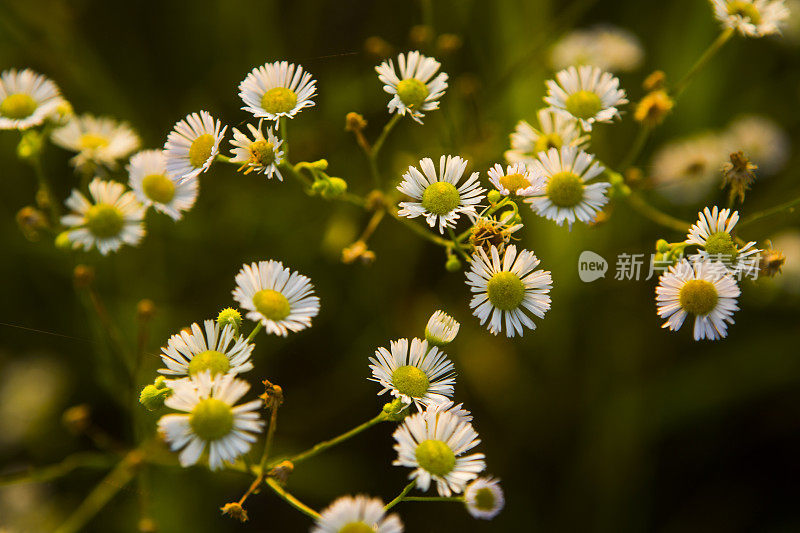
[
  {"x": 453, "y": 264},
  {"x": 354, "y": 122},
  {"x": 83, "y": 276}
]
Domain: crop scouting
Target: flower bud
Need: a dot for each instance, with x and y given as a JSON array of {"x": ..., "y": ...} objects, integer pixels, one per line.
[
  {"x": 230, "y": 316},
  {"x": 453, "y": 264},
  {"x": 494, "y": 196},
  {"x": 662, "y": 246},
  {"x": 153, "y": 396},
  {"x": 77, "y": 418},
  {"x": 354, "y": 122},
  {"x": 145, "y": 309},
  {"x": 336, "y": 187},
  {"x": 396, "y": 410},
  {"x": 30, "y": 145},
  {"x": 83, "y": 276},
  {"x": 30, "y": 221},
  {"x": 62, "y": 241}
]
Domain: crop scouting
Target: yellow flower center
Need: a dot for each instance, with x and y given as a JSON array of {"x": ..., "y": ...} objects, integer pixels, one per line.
[
  {"x": 698, "y": 297},
  {"x": 547, "y": 141},
  {"x": 411, "y": 381},
  {"x": 720, "y": 247},
  {"x": 505, "y": 290},
  {"x": 565, "y": 189},
  {"x": 18, "y": 106},
  {"x": 279, "y": 100},
  {"x": 436, "y": 457},
  {"x": 744, "y": 9},
  {"x": 357, "y": 527},
  {"x": 211, "y": 419},
  {"x": 484, "y": 499},
  {"x": 92, "y": 141},
  {"x": 583, "y": 104},
  {"x": 212, "y": 360},
  {"x": 158, "y": 188},
  {"x": 262, "y": 153},
  {"x": 412, "y": 92},
  {"x": 271, "y": 304},
  {"x": 440, "y": 198},
  {"x": 200, "y": 150},
  {"x": 104, "y": 220},
  {"x": 514, "y": 182}
]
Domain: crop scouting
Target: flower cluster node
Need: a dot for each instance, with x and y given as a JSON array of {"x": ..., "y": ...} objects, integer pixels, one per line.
[
  {"x": 83, "y": 276},
  {"x": 77, "y": 418},
  {"x": 234, "y": 510}
]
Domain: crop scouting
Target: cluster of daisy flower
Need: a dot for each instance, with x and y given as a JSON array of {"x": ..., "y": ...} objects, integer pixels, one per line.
[{"x": 201, "y": 382}]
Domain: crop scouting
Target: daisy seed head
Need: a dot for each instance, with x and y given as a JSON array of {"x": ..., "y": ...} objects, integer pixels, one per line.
[
  {"x": 18, "y": 106},
  {"x": 583, "y": 104},
  {"x": 720, "y": 244},
  {"x": 104, "y": 220},
  {"x": 436, "y": 457},
  {"x": 211, "y": 360},
  {"x": 440, "y": 198},
  {"x": 412, "y": 92},
  {"x": 272, "y": 304},
  {"x": 211, "y": 419},
  {"x": 200, "y": 150},
  {"x": 698, "y": 297},
  {"x": 506, "y": 291},
  {"x": 158, "y": 188},
  {"x": 279, "y": 100},
  {"x": 410, "y": 381},
  {"x": 565, "y": 189}
]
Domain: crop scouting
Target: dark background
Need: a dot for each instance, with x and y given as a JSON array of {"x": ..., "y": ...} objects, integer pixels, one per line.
[{"x": 597, "y": 421}]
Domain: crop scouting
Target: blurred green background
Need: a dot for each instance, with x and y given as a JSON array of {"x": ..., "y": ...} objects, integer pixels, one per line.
[{"x": 597, "y": 421}]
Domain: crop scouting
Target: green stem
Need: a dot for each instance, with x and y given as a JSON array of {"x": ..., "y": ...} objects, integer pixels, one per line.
[
  {"x": 659, "y": 217},
  {"x": 457, "y": 245},
  {"x": 419, "y": 230},
  {"x": 324, "y": 445},
  {"x": 291, "y": 500},
  {"x": 256, "y": 329},
  {"x": 715, "y": 46},
  {"x": 384, "y": 134},
  {"x": 45, "y": 193},
  {"x": 273, "y": 425},
  {"x": 283, "y": 126},
  {"x": 400, "y": 496},
  {"x": 48, "y": 473},
  {"x": 434, "y": 499},
  {"x": 636, "y": 148},
  {"x": 120, "y": 476},
  {"x": 769, "y": 212}
]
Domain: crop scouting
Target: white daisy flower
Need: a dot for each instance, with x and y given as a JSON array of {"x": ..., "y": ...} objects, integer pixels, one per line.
[
  {"x": 415, "y": 90},
  {"x": 567, "y": 196},
  {"x": 433, "y": 443},
  {"x": 506, "y": 288},
  {"x": 259, "y": 154},
  {"x": 449, "y": 405},
  {"x": 517, "y": 180},
  {"x": 98, "y": 140},
  {"x": 484, "y": 498},
  {"x": 441, "y": 329},
  {"x": 438, "y": 198},
  {"x": 212, "y": 419},
  {"x": 359, "y": 514},
  {"x": 555, "y": 130},
  {"x": 607, "y": 47},
  {"x": 702, "y": 289},
  {"x": 275, "y": 90},
  {"x": 26, "y": 99},
  {"x": 416, "y": 373},
  {"x": 586, "y": 93},
  {"x": 190, "y": 353},
  {"x": 762, "y": 140},
  {"x": 276, "y": 297},
  {"x": 148, "y": 177},
  {"x": 111, "y": 219},
  {"x": 685, "y": 171},
  {"x": 751, "y": 18},
  {"x": 192, "y": 145},
  {"x": 712, "y": 232}
]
